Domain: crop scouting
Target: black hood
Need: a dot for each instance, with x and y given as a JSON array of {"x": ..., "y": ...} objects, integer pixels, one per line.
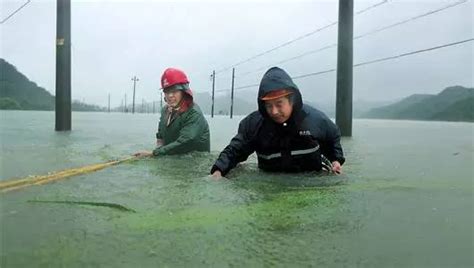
[{"x": 274, "y": 79}]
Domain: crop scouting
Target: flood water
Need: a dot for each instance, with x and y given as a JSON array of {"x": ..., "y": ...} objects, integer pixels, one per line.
[{"x": 405, "y": 199}]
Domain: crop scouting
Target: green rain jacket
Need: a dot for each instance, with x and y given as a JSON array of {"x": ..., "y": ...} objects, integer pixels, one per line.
[{"x": 186, "y": 132}]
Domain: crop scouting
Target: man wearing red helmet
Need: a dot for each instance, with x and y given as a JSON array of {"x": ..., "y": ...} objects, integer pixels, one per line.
[{"x": 182, "y": 127}]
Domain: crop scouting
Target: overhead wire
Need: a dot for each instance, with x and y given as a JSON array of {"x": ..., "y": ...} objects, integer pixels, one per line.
[
  {"x": 297, "y": 39},
  {"x": 368, "y": 62},
  {"x": 14, "y": 12},
  {"x": 451, "y": 5}
]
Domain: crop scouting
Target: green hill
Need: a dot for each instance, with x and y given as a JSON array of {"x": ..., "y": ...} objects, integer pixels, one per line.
[
  {"x": 459, "y": 111},
  {"x": 392, "y": 110},
  {"x": 17, "y": 92},
  {"x": 17, "y": 88},
  {"x": 452, "y": 104}
]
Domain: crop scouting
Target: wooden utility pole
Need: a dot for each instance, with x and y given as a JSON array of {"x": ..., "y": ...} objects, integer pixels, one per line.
[
  {"x": 213, "y": 88},
  {"x": 344, "y": 67},
  {"x": 134, "y": 79},
  {"x": 232, "y": 94},
  {"x": 63, "y": 65}
]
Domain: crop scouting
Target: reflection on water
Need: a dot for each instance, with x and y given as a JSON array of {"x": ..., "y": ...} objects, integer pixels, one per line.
[{"x": 405, "y": 200}]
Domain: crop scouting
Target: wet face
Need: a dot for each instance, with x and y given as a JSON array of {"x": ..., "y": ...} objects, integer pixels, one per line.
[
  {"x": 173, "y": 97},
  {"x": 279, "y": 109}
]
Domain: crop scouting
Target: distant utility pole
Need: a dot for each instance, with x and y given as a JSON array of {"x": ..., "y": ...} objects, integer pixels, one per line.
[
  {"x": 134, "y": 79},
  {"x": 109, "y": 103},
  {"x": 121, "y": 105},
  {"x": 63, "y": 65},
  {"x": 154, "y": 107},
  {"x": 344, "y": 67},
  {"x": 213, "y": 87},
  {"x": 126, "y": 110},
  {"x": 232, "y": 94}
]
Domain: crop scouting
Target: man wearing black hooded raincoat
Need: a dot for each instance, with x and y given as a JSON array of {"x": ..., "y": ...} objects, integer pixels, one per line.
[{"x": 301, "y": 143}]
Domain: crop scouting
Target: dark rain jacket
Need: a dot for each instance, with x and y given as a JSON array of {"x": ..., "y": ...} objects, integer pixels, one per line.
[
  {"x": 293, "y": 146},
  {"x": 187, "y": 131}
]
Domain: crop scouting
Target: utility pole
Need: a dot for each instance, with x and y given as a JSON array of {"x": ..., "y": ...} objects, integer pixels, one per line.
[
  {"x": 134, "y": 79},
  {"x": 344, "y": 67},
  {"x": 63, "y": 66},
  {"x": 126, "y": 110},
  {"x": 213, "y": 87},
  {"x": 232, "y": 94},
  {"x": 109, "y": 103}
]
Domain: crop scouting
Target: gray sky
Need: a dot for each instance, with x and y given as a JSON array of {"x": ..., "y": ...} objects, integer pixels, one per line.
[{"x": 115, "y": 40}]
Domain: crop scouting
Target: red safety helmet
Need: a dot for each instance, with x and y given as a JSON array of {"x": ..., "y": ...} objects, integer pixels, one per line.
[{"x": 173, "y": 76}]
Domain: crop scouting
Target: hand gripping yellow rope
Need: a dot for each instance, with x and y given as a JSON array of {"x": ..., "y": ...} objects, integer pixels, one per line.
[{"x": 15, "y": 184}]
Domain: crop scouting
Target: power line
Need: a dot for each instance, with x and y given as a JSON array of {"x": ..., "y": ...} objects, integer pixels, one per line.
[
  {"x": 359, "y": 36},
  {"x": 412, "y": 18},
  {"x": 14, "y": 12},
  {"x": 297, "y": 38},
  {"x": 314, "y": 74},
  {"x": 278, "y": 47},
  {"x": 389, "y": 58},
  {"x": 241, "y": 87},
  {"x": 414, "y": 52},
  {"x": 290, "y": 59},
  {"x": 371, "y": 7},
  {"x": 369, "y": 62}
]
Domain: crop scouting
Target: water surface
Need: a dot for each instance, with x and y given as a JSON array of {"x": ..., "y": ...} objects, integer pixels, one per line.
[{"x": 405, "y": 200}]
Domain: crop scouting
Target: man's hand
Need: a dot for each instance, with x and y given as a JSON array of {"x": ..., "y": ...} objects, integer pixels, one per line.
[
  {"x": 143, "y": 154},
  {"x": 336, "y": 167},
  {"x": 217, "y": 175},
  {"x": 159, "y": 143}
]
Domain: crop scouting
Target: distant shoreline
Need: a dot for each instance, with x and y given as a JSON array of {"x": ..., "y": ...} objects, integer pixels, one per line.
[{"x": 242, "y": 115}]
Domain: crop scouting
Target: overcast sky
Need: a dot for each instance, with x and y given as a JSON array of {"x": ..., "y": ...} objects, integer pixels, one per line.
[{"x": 115, "y": 40}]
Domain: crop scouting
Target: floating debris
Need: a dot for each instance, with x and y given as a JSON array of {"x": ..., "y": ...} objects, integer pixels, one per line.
[{"x": 86, "y": 203}]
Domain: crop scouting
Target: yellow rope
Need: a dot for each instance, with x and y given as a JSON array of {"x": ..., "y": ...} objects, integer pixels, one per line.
[{"x": 10, "y": 185}]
